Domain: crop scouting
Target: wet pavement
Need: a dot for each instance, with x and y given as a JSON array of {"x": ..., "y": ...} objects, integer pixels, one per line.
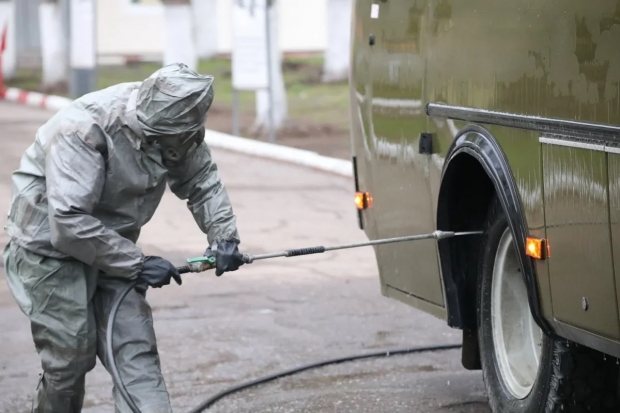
[{"x": 272, "y": 315}]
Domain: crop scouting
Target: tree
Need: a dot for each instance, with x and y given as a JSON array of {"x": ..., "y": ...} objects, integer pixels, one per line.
[
  {"x": 206, "y": 25},
  {"x": 336, "y": 65},
  {"x": 53, "y": 43},
  {"x": 280, "y": 109},
  {"x": 179, "y": 36}
]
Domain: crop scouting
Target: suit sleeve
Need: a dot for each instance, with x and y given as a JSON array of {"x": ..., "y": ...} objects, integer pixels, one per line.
[{"x": 197, "y": 181}]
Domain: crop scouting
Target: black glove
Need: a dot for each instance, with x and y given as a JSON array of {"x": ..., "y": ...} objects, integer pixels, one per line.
[
  {"x": 227, "y": 257},
  {"x": 157, "y": 272}
]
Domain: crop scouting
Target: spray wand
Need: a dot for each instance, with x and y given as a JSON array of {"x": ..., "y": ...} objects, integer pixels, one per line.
[{"x": 200, "y": 264}]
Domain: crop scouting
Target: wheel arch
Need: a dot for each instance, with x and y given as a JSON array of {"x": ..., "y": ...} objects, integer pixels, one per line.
[{"x": 475, "y": 170}]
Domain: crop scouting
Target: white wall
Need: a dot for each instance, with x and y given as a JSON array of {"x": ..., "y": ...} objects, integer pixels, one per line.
[
  {"x": 129, "y": 29},
  {"x": 303, "y": 25}
]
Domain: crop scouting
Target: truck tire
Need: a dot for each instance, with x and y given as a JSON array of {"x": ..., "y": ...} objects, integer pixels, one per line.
[{"x": 525, "y": 371}]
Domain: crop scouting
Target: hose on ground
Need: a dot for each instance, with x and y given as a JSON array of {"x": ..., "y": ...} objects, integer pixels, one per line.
[
  {"x": 386, "y": 353},
  {"x": 118, "y": 382}
]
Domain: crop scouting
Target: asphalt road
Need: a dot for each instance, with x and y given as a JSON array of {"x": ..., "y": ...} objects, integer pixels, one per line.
[{"x": 216, "y": 332}]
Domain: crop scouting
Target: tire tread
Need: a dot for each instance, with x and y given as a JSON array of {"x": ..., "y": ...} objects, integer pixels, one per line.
[{"x": 583, "y": 380}]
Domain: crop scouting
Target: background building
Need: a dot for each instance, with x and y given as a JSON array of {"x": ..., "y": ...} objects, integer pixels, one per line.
[{"x": 133, "y": 29}]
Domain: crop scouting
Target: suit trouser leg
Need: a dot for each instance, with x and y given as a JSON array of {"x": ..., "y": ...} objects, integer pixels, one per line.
[
  {"x": 135, "y": 347},
  {"x": 56, "y": 295}
]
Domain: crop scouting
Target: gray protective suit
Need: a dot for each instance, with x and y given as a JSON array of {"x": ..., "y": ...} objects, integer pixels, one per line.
[{"x": 93, "y": 177}]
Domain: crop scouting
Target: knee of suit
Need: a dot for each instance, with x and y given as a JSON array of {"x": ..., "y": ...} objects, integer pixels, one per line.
[{"x": 66, "y": 368}]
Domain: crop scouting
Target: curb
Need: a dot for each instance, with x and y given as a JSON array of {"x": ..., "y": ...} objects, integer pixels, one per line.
[
  {"x": 214, "y": 139},
  {"x": 25, "y": 97},
  {"x": 276, "y": 152}
]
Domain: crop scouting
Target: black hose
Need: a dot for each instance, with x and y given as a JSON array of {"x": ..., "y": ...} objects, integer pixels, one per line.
[
  {"x": 118, "y": 382},
  {"x": 386, "y": 353},
  {"x": 109, "y": 350}
]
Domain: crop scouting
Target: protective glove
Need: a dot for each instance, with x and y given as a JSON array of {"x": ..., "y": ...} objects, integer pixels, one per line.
[
  {"x": 227, "y": 257},
  {"x": 157, "y": 272}
]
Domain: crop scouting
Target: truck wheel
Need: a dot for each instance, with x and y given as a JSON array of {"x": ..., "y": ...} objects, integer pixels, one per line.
[{"x": 525, "y": 371}]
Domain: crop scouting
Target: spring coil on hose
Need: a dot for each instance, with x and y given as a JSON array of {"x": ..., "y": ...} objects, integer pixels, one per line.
[
  {"x": 184, "y": 269},
  {"x": 305, "y": 251}
]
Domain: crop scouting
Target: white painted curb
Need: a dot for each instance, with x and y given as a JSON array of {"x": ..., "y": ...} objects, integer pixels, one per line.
[
  {"x": 49, "y": 102},
  {"x": 214, "y": 139},
  {"x": 279, "y": 153}
]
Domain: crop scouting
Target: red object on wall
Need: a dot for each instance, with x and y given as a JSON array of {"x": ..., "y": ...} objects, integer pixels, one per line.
[
  {"x": 2, "y": 49},
  {"x": 3, "y": 38}
]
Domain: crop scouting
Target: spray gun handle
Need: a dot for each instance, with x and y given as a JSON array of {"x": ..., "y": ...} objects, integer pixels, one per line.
[
  {"x": 201, "y": 264},
  {"x": 198, "y": 264}
]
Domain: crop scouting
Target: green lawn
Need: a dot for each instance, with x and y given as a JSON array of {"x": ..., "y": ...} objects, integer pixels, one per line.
[{"x": 309, "y": 100}]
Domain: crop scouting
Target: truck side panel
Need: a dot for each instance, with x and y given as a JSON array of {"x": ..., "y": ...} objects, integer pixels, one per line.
[{"x": 555, "y": 59}]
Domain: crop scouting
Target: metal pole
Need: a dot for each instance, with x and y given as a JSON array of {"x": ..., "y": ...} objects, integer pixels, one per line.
[
  {"x": 272, "y": 131},
  {"x": 438, "y": 235},
  {"x": 235, "y": 125}
]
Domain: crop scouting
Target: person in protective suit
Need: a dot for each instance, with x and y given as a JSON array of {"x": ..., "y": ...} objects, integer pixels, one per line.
[{"x": 93, "y": 177}]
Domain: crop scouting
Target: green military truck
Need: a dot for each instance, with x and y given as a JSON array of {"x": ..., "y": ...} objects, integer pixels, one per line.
[{"x": 502, "y": 116}]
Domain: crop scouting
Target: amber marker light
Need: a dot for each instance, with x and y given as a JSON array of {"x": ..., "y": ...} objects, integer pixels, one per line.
[
  {"x": 537, "y": 248},
  {"x": 363, "y": 200},
  {"x": 369, "y": 199}
]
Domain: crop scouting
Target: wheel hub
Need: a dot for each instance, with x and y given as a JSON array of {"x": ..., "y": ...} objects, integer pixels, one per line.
[{"x": 517, "y": 340}]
